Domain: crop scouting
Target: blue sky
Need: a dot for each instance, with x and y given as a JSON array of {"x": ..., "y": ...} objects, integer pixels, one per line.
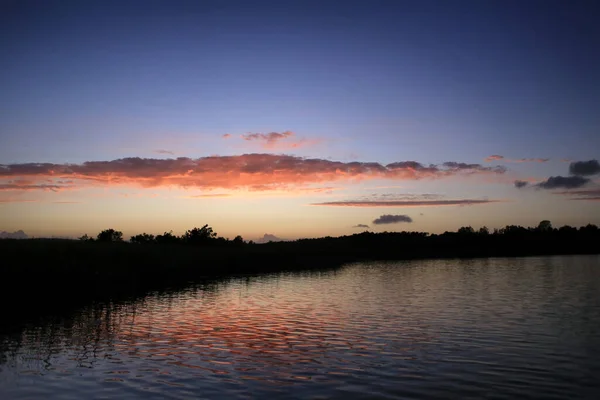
[{"x": 367, "y": 81}]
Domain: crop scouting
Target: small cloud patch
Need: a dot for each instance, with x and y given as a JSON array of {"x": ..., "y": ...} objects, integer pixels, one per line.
[
  {"x": 521, "y": 184},
  {"x": 392, "y": 219}
]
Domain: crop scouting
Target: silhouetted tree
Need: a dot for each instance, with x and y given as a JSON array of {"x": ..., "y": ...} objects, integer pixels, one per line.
[
  {"x": 143, "y": 238},
  {"x": 199, "y": 235},
  {"x": 110, "y": 235},
  {"x": 167, "y": 238},
  {"x": 589, "y": 228},
  {"x": 544, "y": 226},
  {"x": 466, "y": 230},
  {"x": 513, "y": 230},
  {"x": 567, "y": 230},
  {"x": 484, "y": 231},
  {"x": 238, "y": 240},
  {"x": 86, "y": 238}
]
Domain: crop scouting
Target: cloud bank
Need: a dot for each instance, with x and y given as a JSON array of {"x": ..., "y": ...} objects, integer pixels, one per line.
[
  {"x": 253, "y": 171},
  {"x": 392, "y": 219},
  {"x": 361, "y": 226}
]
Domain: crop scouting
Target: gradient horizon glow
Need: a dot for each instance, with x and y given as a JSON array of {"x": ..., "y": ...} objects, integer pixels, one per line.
[{"x": 297, "y": 118}]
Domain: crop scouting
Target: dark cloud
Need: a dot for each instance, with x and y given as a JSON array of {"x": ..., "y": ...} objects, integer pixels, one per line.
[
  {"x": 392, "y": 219},
  {"x": 242, "y": 171},
  {"x": 521, "y": 184},
  {"x": 563, "y": 182},
  {"x": 13, "y": 235},
  {"x": 412, "y": 165},
  {"x": 405, "y": 203},
  {"x": 361, "y": 226},
  {"x": 457, "y": 166},
  {"x": 584, "y": 168},
  {"x": 538, "y": 160}
]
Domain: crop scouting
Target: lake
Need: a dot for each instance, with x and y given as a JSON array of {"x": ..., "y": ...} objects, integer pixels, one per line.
[{"x": 488, "y": 328}]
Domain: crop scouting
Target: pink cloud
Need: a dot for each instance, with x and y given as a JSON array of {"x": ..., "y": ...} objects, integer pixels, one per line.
[
  {"x": 494, "y": 157},
  {"x": 254, "y": 171}
]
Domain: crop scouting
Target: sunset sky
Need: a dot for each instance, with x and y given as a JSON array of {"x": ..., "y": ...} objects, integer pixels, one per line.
[{"x": 297, "y": 118}]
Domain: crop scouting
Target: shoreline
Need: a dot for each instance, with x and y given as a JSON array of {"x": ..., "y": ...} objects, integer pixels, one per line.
[{"x": 44, "y": 275}]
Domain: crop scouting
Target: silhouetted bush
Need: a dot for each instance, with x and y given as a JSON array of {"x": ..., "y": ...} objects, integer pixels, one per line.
[
  {"x": 143, "y": 238},
  {"x": 199, "y": 236},
  {"x": 110, "y": 235}
]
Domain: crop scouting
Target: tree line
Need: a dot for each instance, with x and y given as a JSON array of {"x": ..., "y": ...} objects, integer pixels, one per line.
[
  {"x": 195, "y": 236},
  {"x": 207, "y": 236}
]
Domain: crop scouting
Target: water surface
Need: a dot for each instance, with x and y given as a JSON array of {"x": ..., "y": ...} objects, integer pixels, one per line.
[{"x": 493, "y": 328}]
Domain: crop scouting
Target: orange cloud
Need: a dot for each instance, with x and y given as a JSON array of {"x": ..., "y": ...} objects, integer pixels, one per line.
[
  {"x": 249, "y": 171},
  {"x": 496, "y": 157}
]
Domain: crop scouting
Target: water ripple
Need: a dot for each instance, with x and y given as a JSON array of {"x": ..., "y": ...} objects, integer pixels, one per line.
[{"x": 496, "y": 328}]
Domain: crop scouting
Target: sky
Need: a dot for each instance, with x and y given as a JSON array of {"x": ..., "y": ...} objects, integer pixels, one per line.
[{"x": 297, "y": 118}]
